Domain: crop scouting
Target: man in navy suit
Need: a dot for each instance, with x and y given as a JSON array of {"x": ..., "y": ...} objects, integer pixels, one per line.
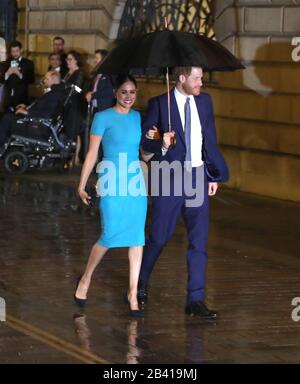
[
  {"x": 101, "y": 94},
  {"x": 196, "y": 152}
]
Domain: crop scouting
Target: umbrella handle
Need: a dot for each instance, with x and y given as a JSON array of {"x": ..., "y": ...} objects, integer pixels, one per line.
[{"x": 169, "y": 109}]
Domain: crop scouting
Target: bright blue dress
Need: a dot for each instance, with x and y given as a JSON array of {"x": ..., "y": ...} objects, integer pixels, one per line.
[{"x": 121, "y": 185}]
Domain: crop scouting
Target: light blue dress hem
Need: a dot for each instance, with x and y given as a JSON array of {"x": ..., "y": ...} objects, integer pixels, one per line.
[{"x": 103, "y": 244}]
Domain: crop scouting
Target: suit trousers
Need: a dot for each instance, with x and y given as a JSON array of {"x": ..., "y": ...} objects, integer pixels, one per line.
[{"x": 165, "y": 214}]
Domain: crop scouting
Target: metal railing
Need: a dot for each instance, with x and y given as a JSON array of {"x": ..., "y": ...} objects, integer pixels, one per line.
[{"x": 142, "y": 16}]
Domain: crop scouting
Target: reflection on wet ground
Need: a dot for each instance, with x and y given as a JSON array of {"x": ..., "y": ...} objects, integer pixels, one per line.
[{"x": 45, "y": 237}]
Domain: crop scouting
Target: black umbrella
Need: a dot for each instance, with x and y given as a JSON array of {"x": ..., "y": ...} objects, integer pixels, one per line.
[
  {"x": 153, "y": 52},
  {"x": 156, "y": 52}
]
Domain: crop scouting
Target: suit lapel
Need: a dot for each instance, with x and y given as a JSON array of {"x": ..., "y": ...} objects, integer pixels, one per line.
[{"x": 201, "y": 113}]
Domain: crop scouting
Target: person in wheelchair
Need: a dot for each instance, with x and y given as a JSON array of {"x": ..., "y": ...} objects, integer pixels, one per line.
[{"x": 44, "y": 107}]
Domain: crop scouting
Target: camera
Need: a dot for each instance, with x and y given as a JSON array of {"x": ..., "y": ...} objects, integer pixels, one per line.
[{"x": 14, "y": 64}]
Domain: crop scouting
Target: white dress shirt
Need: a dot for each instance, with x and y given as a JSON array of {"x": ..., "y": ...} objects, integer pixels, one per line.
[{"x": 196, "y": 129}]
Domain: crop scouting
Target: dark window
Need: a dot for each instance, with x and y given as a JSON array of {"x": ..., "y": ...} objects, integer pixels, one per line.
[{"x": 8, "y": 19}]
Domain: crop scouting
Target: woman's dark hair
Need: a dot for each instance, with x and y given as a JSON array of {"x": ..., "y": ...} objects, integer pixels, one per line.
[
  {"x": 102, "y": 52},
  {"x": 121, "y": 79},
  {"x": 54, "y": 54},
  {"x": 77, "y": 56},
  {"x": 59, "y": 38}
]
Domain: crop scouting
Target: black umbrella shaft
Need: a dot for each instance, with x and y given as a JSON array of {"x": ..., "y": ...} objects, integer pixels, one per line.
[{"x": 169, "y": 99}]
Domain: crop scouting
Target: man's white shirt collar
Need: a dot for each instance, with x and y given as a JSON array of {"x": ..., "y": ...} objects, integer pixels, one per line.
[{"x": 180, "y": 96}]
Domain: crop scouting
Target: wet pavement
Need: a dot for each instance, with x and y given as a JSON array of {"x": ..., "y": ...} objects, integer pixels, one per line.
[{"x": 45, "y": 239}]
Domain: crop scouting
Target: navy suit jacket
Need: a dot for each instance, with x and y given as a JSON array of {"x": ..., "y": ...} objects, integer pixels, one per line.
[
  {"x": 157, "y": 114},
  {"x": 105, "y": 93}
]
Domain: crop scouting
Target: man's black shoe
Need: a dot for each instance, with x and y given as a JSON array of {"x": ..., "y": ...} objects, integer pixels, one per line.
[
  {"x": 198, "y": 308},
  {"x": 142, "y": 294}
]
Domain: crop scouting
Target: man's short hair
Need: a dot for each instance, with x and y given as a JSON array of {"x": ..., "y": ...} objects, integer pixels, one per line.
[
  {"x": 54, "y": 54},
  {"x": 178, "y": 71},
  {"x": 15, "y": 44},
  {"x": 59, "y": 38},
  {"x": 55, "y": 75}
]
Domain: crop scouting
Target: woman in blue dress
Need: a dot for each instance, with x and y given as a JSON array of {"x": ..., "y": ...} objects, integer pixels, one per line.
[{"x": 123, "y": 199}]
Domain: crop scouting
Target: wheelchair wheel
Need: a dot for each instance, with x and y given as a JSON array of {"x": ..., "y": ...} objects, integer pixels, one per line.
[{"x": 16, "y": 162}]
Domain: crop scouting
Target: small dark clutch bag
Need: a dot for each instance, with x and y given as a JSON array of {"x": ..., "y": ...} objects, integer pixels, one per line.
[{"x": 92, "y": 192}]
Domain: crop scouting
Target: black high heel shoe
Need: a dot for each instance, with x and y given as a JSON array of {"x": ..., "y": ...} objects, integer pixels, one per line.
[
  {"x": 80, "y": 302},
  {"x": 137, "y": 313}
]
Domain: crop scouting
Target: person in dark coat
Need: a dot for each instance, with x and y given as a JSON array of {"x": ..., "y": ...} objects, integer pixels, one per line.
[
  {"x": 59, "y": 48},
  {"x": 45, "y": 107},
  {"x": 74, "y": 110},
  {"x": 17, "y": 73},
  {"x": 55, "y": 64},
  {"x": 101, "y": 91}
]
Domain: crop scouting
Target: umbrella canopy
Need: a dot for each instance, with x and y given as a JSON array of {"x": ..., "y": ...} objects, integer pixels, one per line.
[{"x": 152, "y": 53}]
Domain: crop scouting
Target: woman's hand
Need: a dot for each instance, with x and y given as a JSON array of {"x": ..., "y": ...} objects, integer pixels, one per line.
[{"x": 84, "y": 196}]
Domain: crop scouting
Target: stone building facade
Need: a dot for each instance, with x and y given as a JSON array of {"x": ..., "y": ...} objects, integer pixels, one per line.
[
  {"x": 257, "y": 110},
  {"x": 86, "y": 25}
]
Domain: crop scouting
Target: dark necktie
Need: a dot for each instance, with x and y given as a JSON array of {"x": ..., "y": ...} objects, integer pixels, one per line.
[{"x": 187, "y": 134}]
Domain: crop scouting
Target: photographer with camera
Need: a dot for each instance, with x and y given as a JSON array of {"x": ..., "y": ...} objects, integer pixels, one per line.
[{"x": 18, "y": 74}]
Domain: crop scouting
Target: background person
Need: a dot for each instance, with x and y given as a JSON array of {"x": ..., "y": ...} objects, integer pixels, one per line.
[{"x": 17, "y": 74}]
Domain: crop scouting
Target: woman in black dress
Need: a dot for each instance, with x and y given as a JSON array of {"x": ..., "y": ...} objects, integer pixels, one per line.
[{"x": 73, "y": 112}]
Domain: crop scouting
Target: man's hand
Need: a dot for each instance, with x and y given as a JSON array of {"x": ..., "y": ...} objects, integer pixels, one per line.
[
  {"x": 212, "y": 189},
  {"x": 10, "y": 71},
  {"x": 168, "y": 139},
  {"x": 13, "y": 71},
  {"x": 17, "y": 72},
  {"x": 23, "y": 111}
]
